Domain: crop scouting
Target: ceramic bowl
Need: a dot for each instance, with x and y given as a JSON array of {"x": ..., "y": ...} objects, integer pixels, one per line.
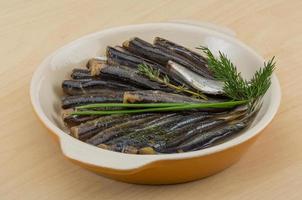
[{"x": 46, "y": 93}]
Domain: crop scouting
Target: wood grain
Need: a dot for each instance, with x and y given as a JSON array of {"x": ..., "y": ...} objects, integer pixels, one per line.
[{"x": 31, "y": 166}]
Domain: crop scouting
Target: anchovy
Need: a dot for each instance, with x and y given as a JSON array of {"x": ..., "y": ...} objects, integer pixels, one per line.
[
  {"x": 76, "y": 87},
  {"x": 158, "y": 54},
  {"x": 208, "y": 138},
  {"x": 200, "y": 63},
  {"x": 140, "y": 139},
  {"x": 117, "y": 57},
  {"x": 190, "y": 120},
  {"x": 203, "y": 124},
  {"x": 197, "y": 129},
  {"x": 78, "y": 100},
  {"x": 127, "y": 75},
  {"x": 95, "y": 62},
  {"x": 120, "y": 129},
  {"x": 158, "y": 121},
  {"x": 156, "y": 96},
  {"x": 74, "y": 120},
  {"x": 120, "y": 56},
  {"x": 120, "y": 147},
  {"x": 91, "y": 128},
  {"x": 125, "y": 147},
  {"x": 208, "y": 86},
  {"x": 81, "y": 74},
  {"x": 166, "y": 121},
  {"x": 150, "y": 134},
  {"x": 155, "y": 134}
]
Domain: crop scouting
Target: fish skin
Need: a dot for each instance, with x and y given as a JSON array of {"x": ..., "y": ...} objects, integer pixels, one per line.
[
  {"x": 87, "y": 130},
  {"x": 125, "y": 58},
  {"x": 128, "y": 75},
  {"x": 161, "y": 132},
  {"x": 145, "y": 128},
  {"x": 153, "y": 133},
  {"x": 190, "y": 119},
  {"x": 156, "y": 96},
  {"x": 200, "y": 63},
  {"x": 192, "y": 130},
  {"x": 78, "y": 100},
  {"x": 120, "y": 129},
  {"x": 80, "y": 74},
  {"x": 121, "y": 147},
  {"x": 75, "y": 120},
  {"x": 141, "y": 138},
  {"x": 211, "y": 136},
  {"x": 95, "y": 62},
  {"x": 208, "y": 138},
  {"x": 203, "y": 124},
  {"x": 207, "y": 86},
  {"x": 78, "y": 87},
  {"x": 157, "y": 54},
  {"x": 149, "y": 51},
  {"x": 120, "y": 56}
]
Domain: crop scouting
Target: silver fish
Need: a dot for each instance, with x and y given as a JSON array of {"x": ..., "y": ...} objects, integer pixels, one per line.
[{"x": 208, "y": 86}]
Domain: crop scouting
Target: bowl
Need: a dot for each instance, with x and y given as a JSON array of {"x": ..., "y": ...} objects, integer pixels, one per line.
[{"x": 45, "y": 92}]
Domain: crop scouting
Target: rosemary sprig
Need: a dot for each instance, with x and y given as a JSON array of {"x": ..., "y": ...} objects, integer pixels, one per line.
[
  {"x": 235, "y": 86},
  {"x": 155, "y": 75},
  {"x": 184, "y": 106}
]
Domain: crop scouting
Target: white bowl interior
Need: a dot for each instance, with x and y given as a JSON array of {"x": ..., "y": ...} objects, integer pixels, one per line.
[{"x": 46, "y": 84}]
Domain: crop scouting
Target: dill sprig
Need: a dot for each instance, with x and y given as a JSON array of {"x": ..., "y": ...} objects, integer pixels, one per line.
[
  {"x": 235, "y": 86},
  {"x": 156, "y": 76},
  {"x": 261, "y": 80}
]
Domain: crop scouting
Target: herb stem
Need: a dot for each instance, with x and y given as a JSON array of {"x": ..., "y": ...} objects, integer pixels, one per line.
[
  {"x": 183, "y": 89},
  {"x": 155, "y": 75},
  {"x": 185, "y": 106},
  {"x": 131, "y": 105}
]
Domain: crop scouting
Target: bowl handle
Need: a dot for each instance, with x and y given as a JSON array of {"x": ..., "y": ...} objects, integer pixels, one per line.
[
  {"x": 207, "y": 25},
  {"x": 86, "y": 154}
]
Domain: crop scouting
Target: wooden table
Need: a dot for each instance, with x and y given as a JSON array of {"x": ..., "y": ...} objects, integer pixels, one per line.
[{"x": 31, "y": 166}]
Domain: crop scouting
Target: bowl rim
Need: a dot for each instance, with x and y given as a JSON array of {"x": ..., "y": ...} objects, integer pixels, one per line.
[{"x": 67, "y": 142}]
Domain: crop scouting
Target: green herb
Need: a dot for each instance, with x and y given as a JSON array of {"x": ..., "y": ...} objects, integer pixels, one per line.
[
  {"x": 155, "y": 75},
  {"x": 235, "y": 86},
  {"x": 184, "y": 106},
  {"x": 131, "y": 105}
]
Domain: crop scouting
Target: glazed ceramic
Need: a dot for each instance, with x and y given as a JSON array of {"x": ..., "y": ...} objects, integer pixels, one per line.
[{"x": 46, "y": 92}]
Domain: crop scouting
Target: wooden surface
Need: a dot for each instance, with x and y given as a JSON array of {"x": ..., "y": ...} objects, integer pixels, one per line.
[{"x": 31, "y": 166}]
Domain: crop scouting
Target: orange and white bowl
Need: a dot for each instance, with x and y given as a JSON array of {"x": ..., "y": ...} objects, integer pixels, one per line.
[{"x": 46, "y": 93}]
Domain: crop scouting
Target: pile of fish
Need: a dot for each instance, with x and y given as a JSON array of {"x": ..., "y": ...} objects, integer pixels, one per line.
[{"x": 116, "y": 79}]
